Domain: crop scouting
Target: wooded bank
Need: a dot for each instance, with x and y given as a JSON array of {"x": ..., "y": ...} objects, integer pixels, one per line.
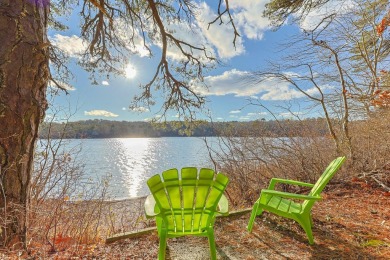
[{"x": 126, "y": 129}]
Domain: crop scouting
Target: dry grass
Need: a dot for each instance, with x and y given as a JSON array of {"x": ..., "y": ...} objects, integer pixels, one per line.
[{"x": 352, "y": 222}]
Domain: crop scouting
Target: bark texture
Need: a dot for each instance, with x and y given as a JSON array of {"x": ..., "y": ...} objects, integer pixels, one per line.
[{"x": 24, "y": 75}]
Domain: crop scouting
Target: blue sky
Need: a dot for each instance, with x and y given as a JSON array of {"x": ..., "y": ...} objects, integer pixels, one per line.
[{"x": 227, "y": 98}]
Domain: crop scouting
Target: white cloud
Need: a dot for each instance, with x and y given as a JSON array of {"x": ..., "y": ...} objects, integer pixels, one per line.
[
  {"x": 248, "y": 18},
  {"x": 317, "y": 15},
  {"x": 156, "y": 117},
  {"x": 230, "y": 82},
  {"x": 73, "y": 45},
  {"x": 314, "y": 91},
  {"x": 130, "y": 37},
  {"x": 280, "y": 91},
  {"x": 219, "y": 35},
  {"x": 290, "y": 114},
  {"x": 224, "y": 84},
  {"x": 100, "y": 113},
  {"x": 62, "y": 85},
  {"x": 217, "y": 38},
  {"x": 245, "y": 118},
  {"x": 235, "y": 112},
  {"x": 105, "y": 83},
  {"x": 49, "y": 117},
  {"x": 140, "y": 109},
  {"x": 191, "y": 34},
  {"x": 253, "y": 114}
]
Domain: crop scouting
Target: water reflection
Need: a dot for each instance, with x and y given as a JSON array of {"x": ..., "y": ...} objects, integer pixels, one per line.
[
  {"x": 129, "y": 162},
  {"x": 132, "y": 159}
]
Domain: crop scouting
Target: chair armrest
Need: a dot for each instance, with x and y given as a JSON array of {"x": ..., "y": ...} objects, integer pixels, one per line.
[
  {"x": 149, "y": 206},
  {"x": 274, "y": 181},
  {"x": 290, "y": 195},
  {"x": 223, "y": 206}
]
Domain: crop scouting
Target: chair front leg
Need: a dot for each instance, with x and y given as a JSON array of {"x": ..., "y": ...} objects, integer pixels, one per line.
[
  {"x": 306, "y": 224},
  {"x": 163, "y": 244},
  {"x": 213, "y": 252},
  {"x": 255, "y": 211}
]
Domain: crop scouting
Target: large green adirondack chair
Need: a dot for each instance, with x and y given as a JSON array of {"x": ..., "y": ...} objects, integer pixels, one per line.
[
  {"x": 186, "y": 204},
  {"x": 285, "y": 204}
]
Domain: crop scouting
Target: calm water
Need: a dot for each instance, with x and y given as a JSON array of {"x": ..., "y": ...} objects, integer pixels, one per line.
[{"x": 129, "y": 162}]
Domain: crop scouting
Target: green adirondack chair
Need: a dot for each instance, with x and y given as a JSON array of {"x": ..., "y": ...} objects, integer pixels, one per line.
[
  {"x": 285, "y": 204},
  {"x": 186, "y": 204}
]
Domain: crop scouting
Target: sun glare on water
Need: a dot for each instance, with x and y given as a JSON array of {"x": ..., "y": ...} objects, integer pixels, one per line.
[{"x": 130, "y": 71}]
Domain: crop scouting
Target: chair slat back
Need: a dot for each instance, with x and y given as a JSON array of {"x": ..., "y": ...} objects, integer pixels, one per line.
[
  {"x": 324, "y": 179},
  {"x": 326, "y": 176},
  {"x": 187, "y": 201}
]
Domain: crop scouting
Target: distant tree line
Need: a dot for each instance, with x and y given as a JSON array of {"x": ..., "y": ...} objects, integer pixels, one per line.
[{"x": 125, "y": 129}]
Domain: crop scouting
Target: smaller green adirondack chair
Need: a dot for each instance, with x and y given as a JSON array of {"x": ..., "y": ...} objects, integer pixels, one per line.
[
  {"x": 186, "y": 204},
  {"x": 284, "y": 204}
]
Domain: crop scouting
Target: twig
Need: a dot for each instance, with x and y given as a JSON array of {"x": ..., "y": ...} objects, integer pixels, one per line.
[{"x": 380, "y": 183}]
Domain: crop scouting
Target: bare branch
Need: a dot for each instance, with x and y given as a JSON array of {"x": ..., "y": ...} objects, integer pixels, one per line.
[{"x": 221, "y": 13}]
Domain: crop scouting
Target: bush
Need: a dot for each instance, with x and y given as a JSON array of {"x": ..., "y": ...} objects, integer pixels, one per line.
[{"x": 251, "y": 160}]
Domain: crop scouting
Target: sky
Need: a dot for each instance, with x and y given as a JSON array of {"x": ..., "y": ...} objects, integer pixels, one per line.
[{"x": 227, "y": 97}]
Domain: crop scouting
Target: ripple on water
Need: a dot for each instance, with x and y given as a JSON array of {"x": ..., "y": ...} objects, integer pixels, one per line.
[{"x": 129, "y": 162}]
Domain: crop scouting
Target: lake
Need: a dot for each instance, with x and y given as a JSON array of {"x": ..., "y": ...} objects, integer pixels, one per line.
[{"x": 129, "y": 162}]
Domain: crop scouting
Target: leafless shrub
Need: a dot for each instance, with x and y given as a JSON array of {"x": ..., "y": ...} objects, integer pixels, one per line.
[
  {"x": 255, "y": 157},
  {"x": 69, "y": 208},
  {"x": 371, "y": 142},
  {"x": 372, "y": 148}
]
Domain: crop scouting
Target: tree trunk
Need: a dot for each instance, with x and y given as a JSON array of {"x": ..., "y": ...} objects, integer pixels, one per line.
[{"x": 24, "y": 74}]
